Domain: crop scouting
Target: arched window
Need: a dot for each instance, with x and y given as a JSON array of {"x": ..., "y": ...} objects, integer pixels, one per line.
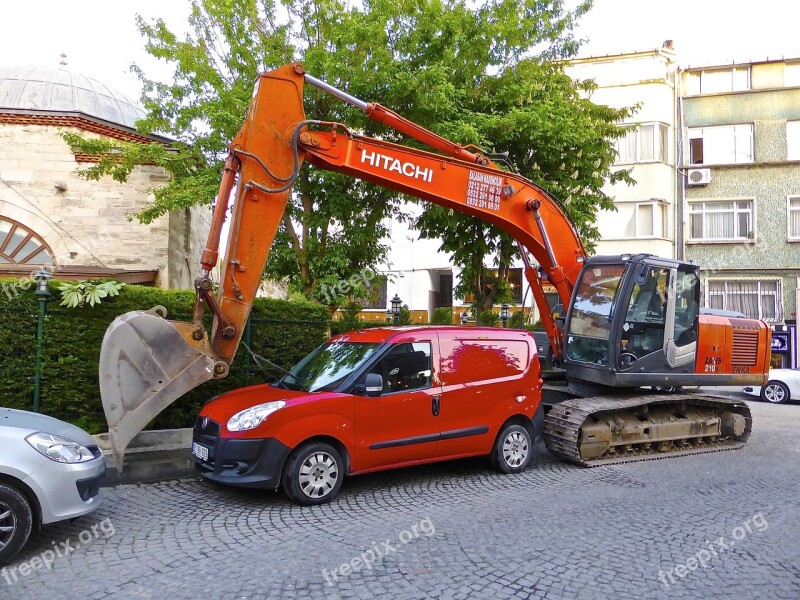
[{"x": 20, "y": 246}]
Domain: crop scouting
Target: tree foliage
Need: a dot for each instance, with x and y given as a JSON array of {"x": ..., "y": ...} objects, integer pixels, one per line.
[
  {"x": 486, "y": 73},
  {"x": 545, "y": 125}
]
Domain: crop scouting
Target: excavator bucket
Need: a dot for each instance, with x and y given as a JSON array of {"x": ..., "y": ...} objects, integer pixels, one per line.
[{"x": 146, "y": 363}]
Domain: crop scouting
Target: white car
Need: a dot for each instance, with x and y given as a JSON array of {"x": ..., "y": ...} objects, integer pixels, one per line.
[{"x": 783, "y": 385}]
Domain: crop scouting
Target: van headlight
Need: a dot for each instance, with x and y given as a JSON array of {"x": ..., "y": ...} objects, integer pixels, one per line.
[
  {"x": 58, "y": 448},
  {"x": 252, "y": 417}
]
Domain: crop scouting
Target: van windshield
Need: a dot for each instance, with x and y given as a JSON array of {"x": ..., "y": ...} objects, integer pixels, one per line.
[{"x": 328, "y": 366}]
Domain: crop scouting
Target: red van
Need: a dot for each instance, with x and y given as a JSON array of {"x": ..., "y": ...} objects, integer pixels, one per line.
[{"x": 377, "y": 399}]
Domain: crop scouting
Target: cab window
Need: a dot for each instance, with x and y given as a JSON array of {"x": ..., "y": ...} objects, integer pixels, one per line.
[
  {"x": 643, "y": 330},
  {"x": 686, "y": 308},
  {"x": 405, "y": 367}
]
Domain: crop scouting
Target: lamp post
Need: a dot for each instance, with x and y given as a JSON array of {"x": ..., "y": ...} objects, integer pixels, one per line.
[
  {"x": 396, "y": 304},
  {"x": 42, "y": 277},
  {"x": 504, "y": 314},
  {"x": 464, "y": 317}
]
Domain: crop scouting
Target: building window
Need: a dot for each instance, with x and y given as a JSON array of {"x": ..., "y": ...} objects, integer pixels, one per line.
[
  {"x": 20, "y": 246},
  {"x": 754, "y": 299},
  {"x": 648, "y": 220},
  {"x": 717, "y": 81},
  {"x": 791, "y": 74},
  {"x": 721, "y": 220},
  {"x": 725, "y": 145},
  {"x": 794, "y": 218},
  {"x": 646, "y": 142},
  {"x": 793, "y": 140},
  {"x": 444, "y": 297}
]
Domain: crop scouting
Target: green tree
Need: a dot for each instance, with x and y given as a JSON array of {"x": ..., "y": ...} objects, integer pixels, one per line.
[
  {"x": 547, "y": 129},
  {"x": 485, "y": 73}
]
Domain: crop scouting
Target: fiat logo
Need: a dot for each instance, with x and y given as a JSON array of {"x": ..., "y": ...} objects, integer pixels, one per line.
[{"x": 204, "y": 423}]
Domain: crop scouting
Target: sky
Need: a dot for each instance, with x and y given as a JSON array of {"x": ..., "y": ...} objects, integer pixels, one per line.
[{"x": 100, "y": 37}]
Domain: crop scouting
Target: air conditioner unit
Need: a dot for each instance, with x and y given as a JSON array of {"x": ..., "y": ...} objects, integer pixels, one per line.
[{"x": 699, "y": 176}]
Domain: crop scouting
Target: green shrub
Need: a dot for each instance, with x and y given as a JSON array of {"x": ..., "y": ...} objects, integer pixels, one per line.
[
  {"x": 442, "y": 316},
  {"x": 350, "y": 311},
  {"x": 405, "y": 316},
  {"x": 281, "y": 331},
  {"x": 517, "y": 320},
  {"x": 337, "y": 327},
  {"x": 488, "y": 318}
]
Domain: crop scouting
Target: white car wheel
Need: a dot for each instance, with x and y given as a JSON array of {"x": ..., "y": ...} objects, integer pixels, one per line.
[{"x": 775, "y": 392}]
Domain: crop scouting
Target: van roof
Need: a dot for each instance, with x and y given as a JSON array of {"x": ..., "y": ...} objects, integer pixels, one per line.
[{"x": 384, "y": 334}]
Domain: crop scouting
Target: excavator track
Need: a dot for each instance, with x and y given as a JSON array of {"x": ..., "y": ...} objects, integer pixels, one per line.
[{"x": 601, "y": 431}]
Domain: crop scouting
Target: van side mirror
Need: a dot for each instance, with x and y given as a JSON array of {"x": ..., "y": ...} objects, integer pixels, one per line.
[{"x": 371, "y": 386}]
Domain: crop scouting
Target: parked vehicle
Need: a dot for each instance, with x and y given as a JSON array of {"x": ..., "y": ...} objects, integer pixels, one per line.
[
  {"x": 49, "y": 471},
  {"x": 783, "y": 385},
  {"x": 377, "y": 399}
]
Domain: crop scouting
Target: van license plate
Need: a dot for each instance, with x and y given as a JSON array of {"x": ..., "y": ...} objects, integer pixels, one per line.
[{"x": 199, "y": 451}]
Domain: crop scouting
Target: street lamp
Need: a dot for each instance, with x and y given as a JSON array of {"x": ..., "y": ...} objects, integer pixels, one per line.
[
  {"x": 504, "y": 314},
  {"x": 42, "y": 277},
  {"x": 464, "y": 317},
  {"x": 396, "y": 304}
]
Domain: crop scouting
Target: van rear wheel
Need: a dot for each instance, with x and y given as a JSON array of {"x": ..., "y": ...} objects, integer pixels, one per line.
[
  {"x": 512, "y": 449},
  {"x": 313, "y": 474}
]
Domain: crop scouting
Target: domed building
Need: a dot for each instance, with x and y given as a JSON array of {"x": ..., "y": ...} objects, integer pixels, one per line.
[{"x": 51, "y": 216}]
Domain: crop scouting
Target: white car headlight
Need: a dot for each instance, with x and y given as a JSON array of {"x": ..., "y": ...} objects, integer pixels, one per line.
[
  {"x": 253, "y": 417},
  {"x": 58, "y": 448}
]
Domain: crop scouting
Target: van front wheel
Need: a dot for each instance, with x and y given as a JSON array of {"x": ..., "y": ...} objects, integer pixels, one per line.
[
  {"x": 313, "y": 474},
  {"x": 512, "y": 449}
]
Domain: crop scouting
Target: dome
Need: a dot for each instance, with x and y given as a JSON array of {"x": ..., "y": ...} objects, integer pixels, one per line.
[{"x": 43, "y": 89}]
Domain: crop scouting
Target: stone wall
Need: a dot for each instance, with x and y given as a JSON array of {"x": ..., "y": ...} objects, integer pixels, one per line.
[
  {"x": 188, "y": 233},
  {"x": 88, "y": 223}
]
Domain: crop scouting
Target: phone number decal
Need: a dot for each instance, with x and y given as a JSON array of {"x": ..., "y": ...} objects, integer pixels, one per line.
[{"x": 483, "y": 190}]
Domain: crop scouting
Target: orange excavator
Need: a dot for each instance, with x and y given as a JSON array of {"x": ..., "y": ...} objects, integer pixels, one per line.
[{"x": 633, "y": 322}]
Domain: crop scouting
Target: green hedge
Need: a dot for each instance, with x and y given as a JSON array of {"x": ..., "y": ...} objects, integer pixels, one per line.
[
  {"x": 281, "y": 331},
  {"x": 343, "y": 325}
]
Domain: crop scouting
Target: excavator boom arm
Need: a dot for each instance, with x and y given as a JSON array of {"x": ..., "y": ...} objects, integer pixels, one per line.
[
  {"x": 276, "y": 137},
  {"x": 148, "y": 362}
]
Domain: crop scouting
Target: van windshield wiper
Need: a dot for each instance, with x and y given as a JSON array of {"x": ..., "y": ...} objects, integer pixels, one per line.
[{"x": 259, "y": 359}]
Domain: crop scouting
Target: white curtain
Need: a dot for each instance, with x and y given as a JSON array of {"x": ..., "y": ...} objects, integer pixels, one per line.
[
  {"x": 794, "y": 218},
  {"x": 626, "y": 148},
  {"x": 719, "y": 224},
  {"x": 742, "y": 296},
  {"x": 647, "y": 142}
]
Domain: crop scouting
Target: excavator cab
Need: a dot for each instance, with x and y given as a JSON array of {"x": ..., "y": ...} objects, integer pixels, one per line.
[{"x": 634, "y": 321}]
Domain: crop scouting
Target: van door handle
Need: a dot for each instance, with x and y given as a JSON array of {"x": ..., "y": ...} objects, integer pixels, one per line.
[{"x": 435, "y": 406}]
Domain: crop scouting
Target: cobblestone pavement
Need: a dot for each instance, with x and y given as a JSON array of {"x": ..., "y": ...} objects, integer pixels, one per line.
[{"x": 723, "y": 525}]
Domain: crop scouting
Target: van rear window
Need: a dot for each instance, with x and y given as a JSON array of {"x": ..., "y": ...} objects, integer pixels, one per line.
[{"x": 470, "y": 361}]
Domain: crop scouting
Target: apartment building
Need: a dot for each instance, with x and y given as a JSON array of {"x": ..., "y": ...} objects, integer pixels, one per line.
[
  {"x": 644, "y": 217},
  {"x": 740, "y": 214}
]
